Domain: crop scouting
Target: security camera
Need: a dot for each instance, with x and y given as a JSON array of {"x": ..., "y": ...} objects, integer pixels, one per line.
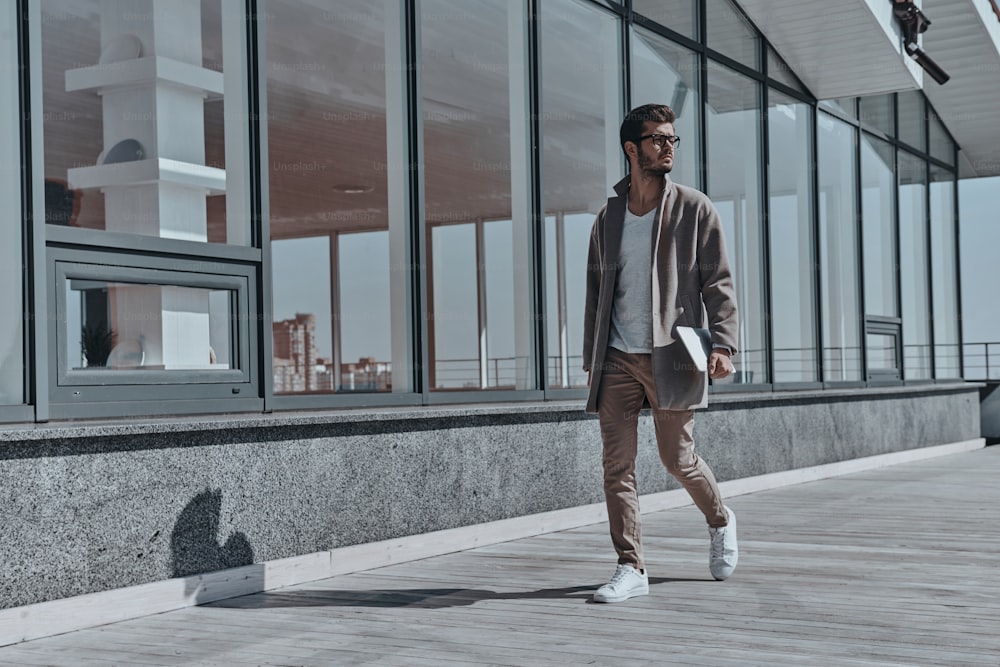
[
  {"x": 914, "y": 22},
  {"x": 927, "y": 63}
]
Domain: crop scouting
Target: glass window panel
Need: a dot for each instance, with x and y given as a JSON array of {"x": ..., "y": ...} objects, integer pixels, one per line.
[
  {"x": 881, "y": 352},
  {"x": 119, "y": 326},
  {"x": 567, "y": 241},
  {"x": 731, "y": 34},
  {"x": 910, "y": 109},
  {"x": 129, "y": 149},
  {"x": 678, "y": 15},
  {"x": 337, "y": 173},
  {"x": 843, "y": 105},
  {"x": 476, "y": 138},
  {"x": 944, "y": 269},
  {"x": 364, "y": 321},
  {"x": 11, "y": 260},
  {"x": 503, "y": 363},
  {"x": 664, "y": 73},
  {"x": 779, "y": 70},
  {"x": 733, "y": 107},
  {"x": 839, "y": 282},
  {"x": 877, "y": 111},
  {"x": 459, "y": 361},
  {"x": 793, "y": 282},
  {"x": 878, "y": 222},
  {"x": 581, "y": 160},
  {"x": 942, "y": 147},
  {"x": 914, "y": 263}
]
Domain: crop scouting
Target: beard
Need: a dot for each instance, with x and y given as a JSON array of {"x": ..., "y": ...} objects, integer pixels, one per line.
[{"x": 646, "y": 165}]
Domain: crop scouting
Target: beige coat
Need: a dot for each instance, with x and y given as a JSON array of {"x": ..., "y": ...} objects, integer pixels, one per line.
[{"x": 690, "y": 268}]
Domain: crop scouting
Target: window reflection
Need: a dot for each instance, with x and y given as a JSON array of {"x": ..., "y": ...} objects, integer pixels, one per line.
[
  {"x": 581, "y": 160},
  {"x": 116, "y": 326},
  {"x": 793, "y": 294},
  {"x": 678, "y": 15},
  {"x": 839, "y": 282},
  {"x": 337, "y": 167},
  {"x": 664, "y": 73},
  {"x": 877, "y": 111},
  {"x": 879, "y": 225},
  {"x": 914, "y": 266},
  {"x": 733, "y": 110},
  {"x": 476, "y": 193},
  {"x": 730, "y": 33},
  {"x": 945, "y": 273},
  {"x": 941, "y": 145},
  {"x": 910, "y": 108},
  {"x": 134, "y": 107}
]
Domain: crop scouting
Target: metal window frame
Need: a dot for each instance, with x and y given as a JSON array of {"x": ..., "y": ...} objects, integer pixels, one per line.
[
  {"x": 24, "y": 410},
  {"x": 812, "y": 261},
  {"x": 51, "y": 249},
  {"x": 885, "y": 326},
  {"x": 258, "y": 255},
  {"x": 69, "y": 386}
]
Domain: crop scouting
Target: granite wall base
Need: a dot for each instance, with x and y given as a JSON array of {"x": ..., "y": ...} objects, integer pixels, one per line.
[{"x": 97, "y": 507}]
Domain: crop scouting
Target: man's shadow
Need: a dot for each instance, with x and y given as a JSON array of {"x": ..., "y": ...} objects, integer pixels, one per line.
[
  {"x": 194, "y": 541},
  {"x": 417, "y": 598}
]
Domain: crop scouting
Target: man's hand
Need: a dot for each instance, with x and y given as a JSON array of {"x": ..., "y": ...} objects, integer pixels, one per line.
[{"x": 719, "y": 365}]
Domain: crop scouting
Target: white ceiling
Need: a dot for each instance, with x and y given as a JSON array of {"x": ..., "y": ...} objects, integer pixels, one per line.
[
  {"x": 964, "y": 38},
  {"x": 845, "y": 48},
  {"x": 852, "y": 48}
]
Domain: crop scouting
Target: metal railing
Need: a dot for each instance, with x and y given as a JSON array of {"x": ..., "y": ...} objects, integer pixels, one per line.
[{"x": 982, "y": 361}]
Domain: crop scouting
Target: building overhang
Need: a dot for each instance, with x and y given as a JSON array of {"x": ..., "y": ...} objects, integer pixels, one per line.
[
  {"x": 854, "y": 48},
  {"x": 964, "y": 39},
  {"x": 845, "y": 48}
]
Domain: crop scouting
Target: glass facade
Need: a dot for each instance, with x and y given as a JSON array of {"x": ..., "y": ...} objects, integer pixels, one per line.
[
  {"x": 791, "y": 182},
  {"x": 944, "y": 270},
  {"x": 476, "y": 199},
  {"x": 731, "y": 34},
  {"x": 878, "y": 216},
  {"x": 734, "y": 184},
  {"x": 838, "y": 240},
  {"x": 12, "y": 390},
  {"x": 136, "y": 133},
  {"x": 580, "y": 158},
  {"x": 337, "y": 214},
  {"x": 397, "y": 208},
  {"x": 666, "y": 73},
  {"x": 914, "y": 265}
]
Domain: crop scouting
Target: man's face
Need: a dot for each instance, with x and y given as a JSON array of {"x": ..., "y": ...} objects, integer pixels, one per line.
[{"x": 652, "y": 160}]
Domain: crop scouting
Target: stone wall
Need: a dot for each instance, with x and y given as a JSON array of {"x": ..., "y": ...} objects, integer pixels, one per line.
[{"x": 94, "y": 507}]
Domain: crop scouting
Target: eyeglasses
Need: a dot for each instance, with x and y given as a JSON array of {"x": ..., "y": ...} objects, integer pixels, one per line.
[{"x": 660, "y": 140}]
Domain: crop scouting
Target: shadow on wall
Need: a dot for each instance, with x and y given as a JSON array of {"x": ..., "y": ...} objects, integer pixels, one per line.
[{"x": 194, "y": 542}]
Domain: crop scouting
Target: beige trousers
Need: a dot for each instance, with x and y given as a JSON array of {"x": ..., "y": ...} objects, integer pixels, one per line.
[{"x": 627, "y": 379}]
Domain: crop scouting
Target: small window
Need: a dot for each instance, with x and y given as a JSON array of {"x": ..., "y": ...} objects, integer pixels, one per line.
[
  {"x": 882, "y": 342},
  {"x": 120, "y": 326}
]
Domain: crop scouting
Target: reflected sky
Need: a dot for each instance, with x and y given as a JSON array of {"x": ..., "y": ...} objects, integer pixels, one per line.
[{"x": 979, "y": 230}]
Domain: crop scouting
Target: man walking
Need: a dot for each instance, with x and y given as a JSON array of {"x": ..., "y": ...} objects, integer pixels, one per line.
[{"x": 657, "y": 254}]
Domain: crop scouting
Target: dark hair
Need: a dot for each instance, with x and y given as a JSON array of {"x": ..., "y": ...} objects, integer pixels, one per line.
[{"x": 632, "y": 126}]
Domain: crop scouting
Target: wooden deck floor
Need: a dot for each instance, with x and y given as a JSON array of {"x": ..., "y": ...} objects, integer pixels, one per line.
[{"x": 897, "y": 566}]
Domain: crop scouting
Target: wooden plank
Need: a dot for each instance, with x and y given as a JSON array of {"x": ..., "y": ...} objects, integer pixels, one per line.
[{"x": 885, "y": 567}]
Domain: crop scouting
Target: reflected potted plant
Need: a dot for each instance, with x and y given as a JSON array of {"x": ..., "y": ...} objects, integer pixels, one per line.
[{"x": 97, "y": 341}]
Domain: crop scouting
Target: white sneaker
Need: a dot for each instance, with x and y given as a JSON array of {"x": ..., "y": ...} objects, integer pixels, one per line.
[
  {"x": 626, "y": 583},
  {"x": 723, "y": 551}
]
